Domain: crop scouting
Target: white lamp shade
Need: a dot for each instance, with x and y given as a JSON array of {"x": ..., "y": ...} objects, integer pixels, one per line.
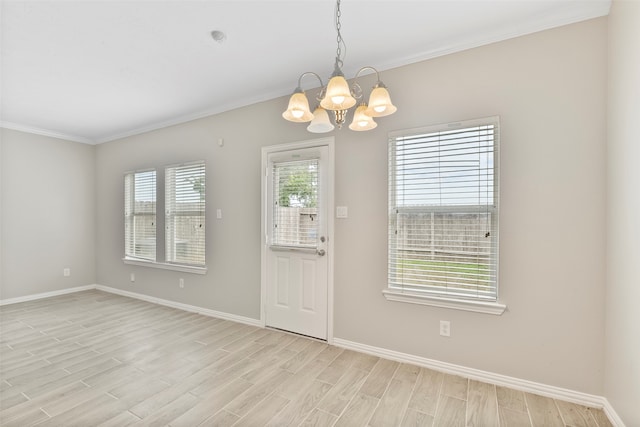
[
  {"x": 380, "y": 103},
  {"x": 338, "y": 95},
  {"x": 362, "y": 121},
  {"x": 298, "y": 110},
  {"x": 320, "y": 122}
]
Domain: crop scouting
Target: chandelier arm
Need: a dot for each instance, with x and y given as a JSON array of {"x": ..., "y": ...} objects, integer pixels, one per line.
[
  {"x": 368, "y": 67},
  {"x": 323, "y": 88},
  {"x": 356, "y": 89},
  {"x": 306, "y": 73}
]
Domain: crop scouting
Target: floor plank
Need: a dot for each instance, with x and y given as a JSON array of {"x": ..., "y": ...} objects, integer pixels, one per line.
[
  {"x": 482, "y": 404},
  {"x": 358, "y": 411},
  {"x": 455, "y": 386},
  {"x": 301, "y": 405},
  {"x": 543, "y": 411},
  {"x": 451, "y": 412},
  {"x": 263, "y": 412},
  {"x": 511, "y": 418},
  {"x": 393, "y": 403},
  {"x": 425, "y": 395},
  {"x": 211, "y": 403},
  {"x": 576, "y": 415},
  {"x": 381, "y": 375},
  {"x": 511, "y": 399},
  {"x": 600, "y": 417},
  {"x": 341, "y": 393},
  {"x": 415, "y": 418}
]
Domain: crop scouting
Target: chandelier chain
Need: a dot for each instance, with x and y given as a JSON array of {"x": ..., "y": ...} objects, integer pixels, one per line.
[{"x": 339, "y": 36}]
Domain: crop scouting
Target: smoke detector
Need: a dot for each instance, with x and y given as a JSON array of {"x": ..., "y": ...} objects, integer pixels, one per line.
[{"x": 218, "y": 36}]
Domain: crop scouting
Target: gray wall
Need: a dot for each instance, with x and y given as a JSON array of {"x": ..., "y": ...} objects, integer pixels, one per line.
[
  {"x": 232, "y": 284},
  {"x": 48, "y": 214},
  {"x": 549, "y": 89},
  {"x": 622, "y": 368}
]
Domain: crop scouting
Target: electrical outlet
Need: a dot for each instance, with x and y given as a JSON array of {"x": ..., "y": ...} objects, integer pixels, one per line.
[
  {"x": 181, "y": 282},
  {"x": 445, "y": 328},
  {"x": 132, "y": 277},
  {"x": 66, "y": 272}
]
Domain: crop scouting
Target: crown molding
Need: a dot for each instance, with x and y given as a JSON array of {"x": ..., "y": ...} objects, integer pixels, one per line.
[
  {"x": 46, "y": 132},
  {"x": 597, "y": 9},
  {"x": 194, "y": 116}
]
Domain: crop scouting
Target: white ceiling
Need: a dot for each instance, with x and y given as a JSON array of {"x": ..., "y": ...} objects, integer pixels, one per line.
[{"x": 94, "y": 71}]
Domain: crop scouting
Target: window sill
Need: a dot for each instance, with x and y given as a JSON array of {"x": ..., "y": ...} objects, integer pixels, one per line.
[
  {"x": 494, "y": 308},
  {"x": 165, "y": 266}
]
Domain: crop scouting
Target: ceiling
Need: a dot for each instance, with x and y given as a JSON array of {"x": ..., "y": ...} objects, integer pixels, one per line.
[{"x": 94, "y": 71}]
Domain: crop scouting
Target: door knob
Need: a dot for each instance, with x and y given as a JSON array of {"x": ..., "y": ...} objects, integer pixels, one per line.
[{"x": 321, "y": 252}]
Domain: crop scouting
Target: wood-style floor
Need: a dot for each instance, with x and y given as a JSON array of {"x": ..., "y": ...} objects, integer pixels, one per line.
[{"x": 98, "y": 359}]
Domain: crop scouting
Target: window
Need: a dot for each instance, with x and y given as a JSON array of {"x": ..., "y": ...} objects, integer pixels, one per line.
[
  {"x": 185, "y": 210},
  {"x": 140, "y": 215},
  {"x": 182, "y": 245},
  {"x": 443, "y": 215},
  {"x": 295, "y": 211}
]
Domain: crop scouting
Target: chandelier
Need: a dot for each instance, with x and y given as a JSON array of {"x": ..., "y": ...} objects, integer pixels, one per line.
[{"x": 339, "y": 98}]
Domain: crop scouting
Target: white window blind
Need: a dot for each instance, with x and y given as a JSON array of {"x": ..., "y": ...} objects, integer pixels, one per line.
[
  {"x": 443, "y": 211},
  {"x": 295, "y": 209},
  {"x": 140, "y": 215},
  {"x": 185, "y": 214}
]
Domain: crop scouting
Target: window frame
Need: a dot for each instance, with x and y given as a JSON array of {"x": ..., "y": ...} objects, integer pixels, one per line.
[
  {"x": 161, "y": 230},
  {"x": 424, "y": 296},
  {"x": 281, "y": 238},
  {"x": 130, "y": 213},
  {"x": 173, "y": 214}
]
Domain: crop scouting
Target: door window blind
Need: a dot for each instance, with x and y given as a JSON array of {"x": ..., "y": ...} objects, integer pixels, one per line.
[
  {"x": 443, "y": 211},
  {"x": 295, "y": 204},
  {"x": 185, "y": 214},
  {"x": 140, "y": 215}
]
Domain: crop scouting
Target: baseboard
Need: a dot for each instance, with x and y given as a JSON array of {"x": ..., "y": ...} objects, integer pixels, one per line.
[
  {"x": 450, "y": 368},
  {"x": 181, "y": 306},
  {"x": 489, "y": 377},
  {"x": 34, "y": 297},
  {"x": 613, "y": 416}
]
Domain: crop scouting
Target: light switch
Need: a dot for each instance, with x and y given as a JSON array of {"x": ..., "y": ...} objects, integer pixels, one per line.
[
  {"x": 219, "y": 213},
  {"x": 342, "y": 212}
]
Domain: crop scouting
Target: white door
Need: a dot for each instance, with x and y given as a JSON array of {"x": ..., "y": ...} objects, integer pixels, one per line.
[{"x": 296, "y": 227}]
